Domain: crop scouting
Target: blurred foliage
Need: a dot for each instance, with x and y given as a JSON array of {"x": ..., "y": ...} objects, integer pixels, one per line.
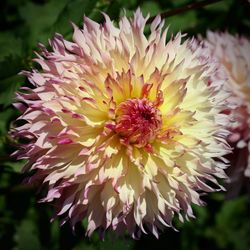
[{"x": 24, "y": 223}]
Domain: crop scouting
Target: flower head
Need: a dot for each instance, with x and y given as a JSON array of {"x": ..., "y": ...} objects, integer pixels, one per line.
[
  {"x": 122, "y": 128},
  {"x": 232, "y": 53}
]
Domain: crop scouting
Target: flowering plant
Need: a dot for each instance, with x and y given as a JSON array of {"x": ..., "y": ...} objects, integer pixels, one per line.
[{"x": 121, "y": 128}]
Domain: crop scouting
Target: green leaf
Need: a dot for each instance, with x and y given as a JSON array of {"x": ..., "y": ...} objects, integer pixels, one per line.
[
  {"x": 182, "y": 22},
  {"x": 112, "y": 241},
  {"x": 26, "y": 236},
  {"x": 10, "y": 45},
  {"x": 4, "y": 117},
  {"x": 82, "y": 245},
  {"x": 39, "y": 19},
  {"x": 73, "y": 11},
  {"x": 9, "y": 67},
  {"x": 232, "y": 225},
  {"x": 15, "y": 167},
  {"x": 150, "y": 7},
  {"x": 58, "y": 15},
  {"x": 8, "y": 88},
  {"x": 55, "y": 234}
]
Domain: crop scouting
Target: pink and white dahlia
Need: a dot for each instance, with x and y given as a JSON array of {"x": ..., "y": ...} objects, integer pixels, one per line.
[
  {"x": 233, "y": 55},
  {"x": 122, "y": 128}
]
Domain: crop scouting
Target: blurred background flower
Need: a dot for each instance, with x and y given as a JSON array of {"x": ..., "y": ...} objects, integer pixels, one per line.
[
  {"x": 24, "y": 224},
  {"x": 232, "y": 53}
]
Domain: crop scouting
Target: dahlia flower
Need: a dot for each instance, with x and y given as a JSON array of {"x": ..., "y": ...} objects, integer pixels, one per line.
[
  {"x": 233, "y": 55},
  {"x": 121, "y": 128}
]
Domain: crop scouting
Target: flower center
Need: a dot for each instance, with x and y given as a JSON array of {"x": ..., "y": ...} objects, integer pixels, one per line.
[{"x": 137, "y": 121}]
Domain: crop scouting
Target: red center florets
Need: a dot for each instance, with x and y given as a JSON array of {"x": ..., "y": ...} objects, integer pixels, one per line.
[{"x": 138, "y": 121}]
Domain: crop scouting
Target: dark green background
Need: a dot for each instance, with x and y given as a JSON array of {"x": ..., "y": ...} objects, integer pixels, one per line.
[{"x": 24, "y": 223}]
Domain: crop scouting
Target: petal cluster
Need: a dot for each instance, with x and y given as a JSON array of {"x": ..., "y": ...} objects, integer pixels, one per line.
[
  {"x": 233, "y": 55},
  {"x": 122, "y": 129}
]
